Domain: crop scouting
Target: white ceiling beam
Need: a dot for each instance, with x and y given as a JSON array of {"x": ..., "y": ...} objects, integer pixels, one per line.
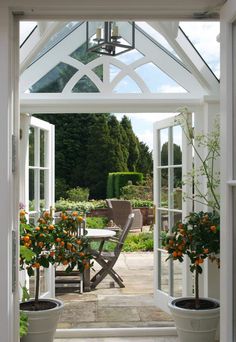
[
  {"x": 92, "y": 103},
  {"x": 122, "y": 9},
  {"x": 37, "y": 41}
]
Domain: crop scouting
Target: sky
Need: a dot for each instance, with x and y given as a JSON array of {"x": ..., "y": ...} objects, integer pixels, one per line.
[{"x": 203, "y": 36}]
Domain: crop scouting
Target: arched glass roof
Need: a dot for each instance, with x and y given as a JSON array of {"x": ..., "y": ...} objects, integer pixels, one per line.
[{"x": 164, "y": 65}]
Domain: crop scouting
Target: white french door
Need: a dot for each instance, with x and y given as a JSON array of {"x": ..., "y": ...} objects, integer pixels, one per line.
[
  {"x": 41, "y": 184},
  {"x": 170, "y": 162}
]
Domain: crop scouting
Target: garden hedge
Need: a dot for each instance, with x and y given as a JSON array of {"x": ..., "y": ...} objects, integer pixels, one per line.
[{"x": 116, "y": 181}]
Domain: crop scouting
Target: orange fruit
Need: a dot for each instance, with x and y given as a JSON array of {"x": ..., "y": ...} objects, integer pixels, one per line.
[
  {"x": 65, "y": 262},
  {"x": 206, "y": 250},
  {"x": 81, "y": 254},
  {"x": 75, "y": 213},
  {"x": 58, "y": 239},
  {"x": 171, "y": 242},
  {"x": 69, "y": 245},
  {"x": 40, "y": 244},
  {"x": 52, "y": 254},
  {"x": 175, "y": 254},
  {"x": 36, "y": 265},
  {"x": 26, "y": 238},
  {"x": 41, "y": 235},
  {"x": 80, "y": 218},
  {"x": 213, "y": 229},
  {"x": 37, "y": 228},
  {"x": 62, "y": 243},
  {"x": 78, "y": 242},
  {"x": 179, "y": 253},
  {"x": 51, "y": 227}
]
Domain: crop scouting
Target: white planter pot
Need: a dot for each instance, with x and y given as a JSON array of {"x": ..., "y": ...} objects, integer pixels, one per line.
[
  {"x": 42, "y": 324},
  {"x": 195, "y": 325}
]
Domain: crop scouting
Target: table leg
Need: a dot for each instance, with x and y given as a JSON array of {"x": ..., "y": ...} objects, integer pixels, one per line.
[{"x": 86, "y": 278}]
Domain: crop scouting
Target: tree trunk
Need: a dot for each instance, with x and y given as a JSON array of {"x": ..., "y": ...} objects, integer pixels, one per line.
[
  {"x": 197, "y": 301},
  {"x": 37, "y": 288}
]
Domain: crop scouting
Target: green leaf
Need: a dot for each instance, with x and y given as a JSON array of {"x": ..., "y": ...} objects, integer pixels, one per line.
[{"x": 26, "y": 253}]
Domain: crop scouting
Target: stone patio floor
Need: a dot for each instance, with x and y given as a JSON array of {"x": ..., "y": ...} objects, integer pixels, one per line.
[
  {"x": 122, "y": 339},
  {"x": 110, "y": 306}
]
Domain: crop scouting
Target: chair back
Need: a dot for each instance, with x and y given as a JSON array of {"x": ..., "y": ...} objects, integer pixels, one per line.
[
  {"x": 121, "y": 209},
  {"x": 124, "y": 234}
]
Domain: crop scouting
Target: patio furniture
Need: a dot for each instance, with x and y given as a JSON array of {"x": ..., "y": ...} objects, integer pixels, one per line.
[
  {"x": 107, "y": 260},
  {"x": 119, "y": 210}
]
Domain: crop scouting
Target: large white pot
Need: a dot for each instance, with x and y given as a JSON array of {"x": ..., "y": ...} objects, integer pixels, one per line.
[
  {"x": 43, "y": 324},
  {"x": 195, "y": 325}
]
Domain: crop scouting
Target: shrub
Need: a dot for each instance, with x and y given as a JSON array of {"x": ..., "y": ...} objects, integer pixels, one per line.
[
  {"x": 83, "y": 207},
  {"x": 140, "y": 242},
  {"x": 118, "y": 180},
  {"x": 78, "y": 194},
  {"x": 96, "y": 222}
]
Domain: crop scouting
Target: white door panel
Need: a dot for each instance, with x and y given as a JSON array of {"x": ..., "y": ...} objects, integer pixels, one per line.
[
  {"x": 170, "y": 159},
  {"x": 41, "y": 183}
]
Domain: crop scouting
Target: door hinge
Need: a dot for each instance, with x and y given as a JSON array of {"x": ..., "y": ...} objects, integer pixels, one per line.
[
  {"x": 14, "y": 260},
  {"x": 13, "y": 167}
]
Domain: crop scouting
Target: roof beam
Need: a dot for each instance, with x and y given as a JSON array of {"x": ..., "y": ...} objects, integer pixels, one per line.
[{"x": 36, "y": 41}]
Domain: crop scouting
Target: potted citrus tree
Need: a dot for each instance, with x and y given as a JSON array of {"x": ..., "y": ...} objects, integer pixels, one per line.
[
  {"x": 42, "y": 245},
  {"x": 197, "y": 237}
]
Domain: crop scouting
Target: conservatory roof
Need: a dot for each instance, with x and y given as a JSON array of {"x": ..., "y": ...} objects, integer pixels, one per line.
[{"x": 162, "y": 73}]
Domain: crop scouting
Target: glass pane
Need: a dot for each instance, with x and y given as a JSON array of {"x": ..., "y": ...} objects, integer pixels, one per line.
[
  {"x": 162, "y": 219},
  {"x": 31, "y": 191},
  {"x": 42, "y": 147},
  {"x": 55, "y": 80},
  {"x": 164, "y": 188},
  {"x": 85, "y": 85},
  {"x": 177, "y": 275},
  {"x": 31, "y": 146},
  {"x": 82, "y": 55},
  {"x": 163, "y": 272},
  {"x": 42, "y": 189},
  {"x": 99, "y": 71},
  {"x": 177, "y": 141},
  {"x": 162, "y": 84},
  {"x": 127, "y": 85},
  {"x": 113, "y": 71},
  {"x": 177, "y": 217},
  {"x": 164, "y": 146},
  {"x": 177, "y": 191},
  {"x": 129, "y": 57}
]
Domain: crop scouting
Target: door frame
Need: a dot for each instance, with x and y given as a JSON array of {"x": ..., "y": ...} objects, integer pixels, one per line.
[
  {"x": 228, "y": 179},
  {"x": 9, "y": 183}
]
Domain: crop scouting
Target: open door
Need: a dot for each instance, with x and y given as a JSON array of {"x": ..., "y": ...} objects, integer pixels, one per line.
[
  {"x": 38, "y": 178},
  {"x": 170, "y": 162}
]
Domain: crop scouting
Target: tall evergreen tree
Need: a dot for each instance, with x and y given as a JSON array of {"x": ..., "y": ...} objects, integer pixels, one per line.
[
  {"x": 118, "y": 154},
  {"x": 132, "y": 144},
  {"x": 145, "y": 162},
  {"x": 97, "y": 163}
]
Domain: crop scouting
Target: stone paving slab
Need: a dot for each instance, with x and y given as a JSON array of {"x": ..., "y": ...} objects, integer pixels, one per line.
[
  {"x": 122, "y": 339},
  {"x": 112, "y": 307}
]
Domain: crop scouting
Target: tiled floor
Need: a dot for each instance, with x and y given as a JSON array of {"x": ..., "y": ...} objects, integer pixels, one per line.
[{"x": 122, "y": 339}]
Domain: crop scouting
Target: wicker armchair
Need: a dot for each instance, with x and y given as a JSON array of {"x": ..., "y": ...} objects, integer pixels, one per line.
[{"x": 119, "y": 210}]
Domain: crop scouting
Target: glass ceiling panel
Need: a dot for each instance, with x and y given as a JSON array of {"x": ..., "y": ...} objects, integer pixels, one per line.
[
  {"x": 82, "y": 55},
  {"x": 85, "y": 85},
  {"x": 208, "y": 47},
  {"x": 130, "y": 56},
  {"x": 55, "y": 80},
  {"x": 158, "y": 37},
  {"x": 98, "y": 70},
  {"x": 113, "y": 71},
  {"x": 26, "y": 28},
  {"x": 157, "y": 81},
  {"x": 127, "y": 85},
  {"x": 57, "y": 37}
]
